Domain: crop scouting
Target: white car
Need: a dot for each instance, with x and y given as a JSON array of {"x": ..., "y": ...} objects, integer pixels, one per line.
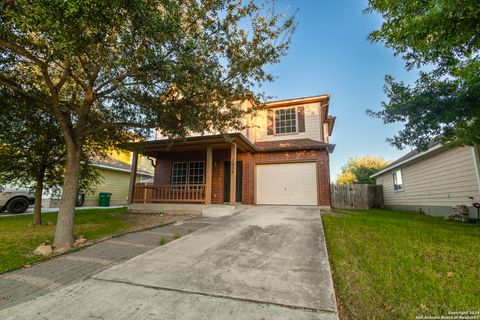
[{"x": 15, "y": 200}]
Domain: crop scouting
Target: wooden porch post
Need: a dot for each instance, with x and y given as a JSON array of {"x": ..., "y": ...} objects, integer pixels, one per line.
[
  {"x": 233, "y": 173},
  {"x": 208, "y": 177},
  {"x": 133, "y": 177}
]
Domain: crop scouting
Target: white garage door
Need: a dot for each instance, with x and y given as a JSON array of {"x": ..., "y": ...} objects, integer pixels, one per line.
[{"x": 289, "y": 183}]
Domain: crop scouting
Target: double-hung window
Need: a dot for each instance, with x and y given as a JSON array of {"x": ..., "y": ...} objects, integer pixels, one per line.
[
  {"x": 188, "y": 173},
  {"x": 397, "y": 181},
  {"x": 285, "y": 121}
]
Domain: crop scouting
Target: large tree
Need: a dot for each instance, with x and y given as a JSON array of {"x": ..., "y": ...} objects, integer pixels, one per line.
[
  {"x": 136, "y": 65},
  {"x": 443, "y": 37},
  {"x": 32, "y": 149},
  {"x": 358, "y": 170}
]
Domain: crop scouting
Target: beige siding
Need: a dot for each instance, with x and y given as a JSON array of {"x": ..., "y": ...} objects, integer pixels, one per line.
[
  {"x": 245, "y": 132},
  {"x": 313, "y": 129},
  {"x": 115, "y": 182},
  {"x": 256, "y": 126},
  {"x": 476, "y": 152},
  {"x": 248, "y": 132},
  {"x": 325, "y": 132},
  {"x": 160, "y": 136},
  {"x": 447, "y": 178}
]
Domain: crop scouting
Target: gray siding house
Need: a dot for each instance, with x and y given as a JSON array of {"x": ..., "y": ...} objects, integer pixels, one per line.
[{"x": 433, "y": 181}]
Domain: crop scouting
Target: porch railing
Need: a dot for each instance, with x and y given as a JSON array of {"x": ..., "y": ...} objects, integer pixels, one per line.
[{"x": 151, "y": 193}]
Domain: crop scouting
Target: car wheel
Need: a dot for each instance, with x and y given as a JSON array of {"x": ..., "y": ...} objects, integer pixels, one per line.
[{"x": 17, "y": 205}]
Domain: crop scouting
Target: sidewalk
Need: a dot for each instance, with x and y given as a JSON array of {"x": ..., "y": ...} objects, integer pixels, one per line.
[
  {"x": 45, "y": 210},
  {"x": 28, "y": 283}
]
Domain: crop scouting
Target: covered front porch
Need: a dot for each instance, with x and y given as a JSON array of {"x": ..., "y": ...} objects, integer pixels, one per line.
[{"x": 198, "y": 171}]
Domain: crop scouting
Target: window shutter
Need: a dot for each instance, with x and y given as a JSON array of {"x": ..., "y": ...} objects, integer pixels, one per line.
[
  {"x": 301, "y": 119},
  {"x": 269, "y": 122}
]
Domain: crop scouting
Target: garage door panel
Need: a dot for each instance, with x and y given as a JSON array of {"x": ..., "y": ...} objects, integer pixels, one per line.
[{"x": 288, "y": 183}]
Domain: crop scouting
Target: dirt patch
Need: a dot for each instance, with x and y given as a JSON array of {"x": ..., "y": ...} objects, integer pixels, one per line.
[{"x": 140, "y": 221}]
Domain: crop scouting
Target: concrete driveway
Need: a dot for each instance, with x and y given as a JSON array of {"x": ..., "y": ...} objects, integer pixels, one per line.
[{"x": 263, "y": 263}]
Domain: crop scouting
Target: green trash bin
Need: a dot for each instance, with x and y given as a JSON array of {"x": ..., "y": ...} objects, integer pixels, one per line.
[{"x": 104, "y": 199}]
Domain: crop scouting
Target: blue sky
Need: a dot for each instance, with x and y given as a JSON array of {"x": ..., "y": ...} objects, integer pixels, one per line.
[{"x": 330, "y": 53}]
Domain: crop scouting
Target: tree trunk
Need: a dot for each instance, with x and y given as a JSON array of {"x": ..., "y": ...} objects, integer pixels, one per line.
[
  {"x": 37, "y": 209},
  {"x": 64, "y": 231}
]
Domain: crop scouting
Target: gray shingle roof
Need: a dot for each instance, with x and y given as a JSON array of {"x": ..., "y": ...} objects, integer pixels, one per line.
[
  {"x": 292, "y": 144},
  {"x": 114, "y": 164}
]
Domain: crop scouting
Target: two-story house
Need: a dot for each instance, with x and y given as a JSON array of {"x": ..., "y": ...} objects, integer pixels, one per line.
[{"x": 281, "y": 158}]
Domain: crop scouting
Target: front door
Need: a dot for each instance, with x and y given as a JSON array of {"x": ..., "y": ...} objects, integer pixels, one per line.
[{"x": 226, "y": 182}]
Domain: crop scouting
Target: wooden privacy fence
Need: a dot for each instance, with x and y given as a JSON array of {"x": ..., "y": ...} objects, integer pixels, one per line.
[{"x": 356, "y": 196}]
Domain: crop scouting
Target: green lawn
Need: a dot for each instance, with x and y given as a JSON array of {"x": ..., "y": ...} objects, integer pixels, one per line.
[
  {"x": 396, "y": 265},
  {"x": 18, "y": 238}
]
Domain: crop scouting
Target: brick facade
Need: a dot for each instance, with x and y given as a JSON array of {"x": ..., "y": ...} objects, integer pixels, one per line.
[{"x": 321, "y": 157}]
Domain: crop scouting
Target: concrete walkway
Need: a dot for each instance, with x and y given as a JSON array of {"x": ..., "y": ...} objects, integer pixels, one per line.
[
  {"x": 264, "y": 263},
  {"x": 28, "y": 283}
]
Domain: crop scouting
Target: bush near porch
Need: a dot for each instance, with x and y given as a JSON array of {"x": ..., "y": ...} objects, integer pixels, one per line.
[
  {"x": 18, "y": 238},
  {"x": 398, "y": 265}
]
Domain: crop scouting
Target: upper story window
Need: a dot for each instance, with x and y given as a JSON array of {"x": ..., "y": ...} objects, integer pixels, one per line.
[
  {"x": 285, "y": 121},
  {"x": 397, "y": 181},
  {"x": 188, "y": 172}
]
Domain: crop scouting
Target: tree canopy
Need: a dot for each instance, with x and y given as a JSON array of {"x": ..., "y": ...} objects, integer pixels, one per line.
[
  {"x": 443, "y": 38},
  {"x": 102, "y": 66},
  {"x": 33, "y": 152},
  {"x": 358, "y": 170}
]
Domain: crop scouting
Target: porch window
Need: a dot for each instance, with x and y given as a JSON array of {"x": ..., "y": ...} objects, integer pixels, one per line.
[
  {"x": 196, "y": 171},
  {"x": 188, "y": 172},
  {"x": 285, "y": 121}
]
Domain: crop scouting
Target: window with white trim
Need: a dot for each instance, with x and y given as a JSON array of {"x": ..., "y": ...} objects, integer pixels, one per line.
[
  {"x": 196, "y": 171},
  {"x": 285, "y": 121},
  {"x": 188, "y": 172},
  {"x": 397, "y": 181}
]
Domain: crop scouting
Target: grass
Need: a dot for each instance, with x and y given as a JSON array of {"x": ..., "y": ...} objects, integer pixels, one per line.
[
  {"x": 18, "y": 238},
  {"x": 162, "y": 241},
  {"x": 398, "y": 265}
]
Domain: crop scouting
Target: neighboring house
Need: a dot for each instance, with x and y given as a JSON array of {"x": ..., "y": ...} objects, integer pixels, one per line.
[
  {"x": 432, "y": 181},
  {"x": 282, "y": 158},
  {"x": 114, "y": 177}
]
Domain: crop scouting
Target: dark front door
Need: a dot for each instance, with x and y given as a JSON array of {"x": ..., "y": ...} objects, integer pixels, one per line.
[{"x": 226, "y": 182}]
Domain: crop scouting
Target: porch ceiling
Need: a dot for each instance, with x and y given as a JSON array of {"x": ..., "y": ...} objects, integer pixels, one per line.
[{"x": 151, "y": 148}]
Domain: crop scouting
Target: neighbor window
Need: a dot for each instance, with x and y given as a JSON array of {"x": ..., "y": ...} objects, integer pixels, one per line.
[
  {"x": 188, "y": 172},
  {"x": 145, "y": 179},
  {"x": 285, "y": 121},
  {"x": 397, "y": 181}
]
